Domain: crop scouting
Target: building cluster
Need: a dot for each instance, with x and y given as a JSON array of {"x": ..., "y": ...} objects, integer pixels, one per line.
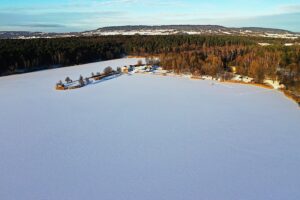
[
  {"x": 69, "y": 84},
  {"x": 146, "y": 69}
]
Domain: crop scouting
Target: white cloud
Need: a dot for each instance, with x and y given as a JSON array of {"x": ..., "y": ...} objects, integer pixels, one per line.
[{"x": 289, "y": 8}]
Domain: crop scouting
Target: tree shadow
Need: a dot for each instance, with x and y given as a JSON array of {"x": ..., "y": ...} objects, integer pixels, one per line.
[{"x": 105, "y": 79}]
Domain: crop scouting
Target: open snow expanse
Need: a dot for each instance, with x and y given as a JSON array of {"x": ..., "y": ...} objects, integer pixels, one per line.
[{"x": 145, "y": 137}]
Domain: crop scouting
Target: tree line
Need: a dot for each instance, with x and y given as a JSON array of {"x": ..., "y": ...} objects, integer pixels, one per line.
[
  {"x": 18, "y": 56},
  {"x": 197, "y": 54},
  {"x": 274, "y": 62}
]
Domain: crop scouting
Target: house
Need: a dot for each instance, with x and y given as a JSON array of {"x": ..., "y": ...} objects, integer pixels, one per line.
[
  {"x": 124, "y": 69},
  {"x": 60, "y": 87}
]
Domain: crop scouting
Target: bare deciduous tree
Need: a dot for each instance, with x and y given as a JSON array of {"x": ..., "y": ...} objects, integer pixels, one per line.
[
  {"x": 107, "y": 70},
  {"x": 140, "y": 62}
]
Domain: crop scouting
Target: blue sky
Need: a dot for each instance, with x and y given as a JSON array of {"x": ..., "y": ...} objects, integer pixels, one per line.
[{"x": 79, "y": 15}]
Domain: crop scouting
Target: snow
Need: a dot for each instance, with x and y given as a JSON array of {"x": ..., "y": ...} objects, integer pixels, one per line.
[
  {"x": 285, "y": 36},
  {"x": 225, "y": 32},
  {"x": 207, "y": 77},
  {"x": 145, "y": 137},
  {"x": 288, "y": 44},
  {"x": 275, "y": 84},
  {"x": 264, "y": 44},
  {"x": 246, "y": 79},
  {"x": 134, "y": 32}
]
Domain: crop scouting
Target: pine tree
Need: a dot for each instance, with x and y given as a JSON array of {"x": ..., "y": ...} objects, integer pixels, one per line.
[{"x": 68, "y": 80}]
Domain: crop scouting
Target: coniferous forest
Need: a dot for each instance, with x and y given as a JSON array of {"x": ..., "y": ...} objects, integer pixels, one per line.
[{"x": 203, "y": 55}]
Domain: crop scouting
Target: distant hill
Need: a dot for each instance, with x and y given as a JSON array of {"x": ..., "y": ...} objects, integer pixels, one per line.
[
  {"x": 193, "y": 28},
  {"x": 166, "y": 27},
  {"x": 270, "y": 30},
  {"x": 159, "y": 30},
  {"x": 31, "y": 35}
]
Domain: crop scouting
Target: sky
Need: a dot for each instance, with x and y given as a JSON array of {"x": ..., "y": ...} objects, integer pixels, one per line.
[{"x": 80, "y": 15}]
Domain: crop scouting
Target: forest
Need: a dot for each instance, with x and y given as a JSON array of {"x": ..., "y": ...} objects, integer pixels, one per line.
[
  {"x": 197, "y": 54},
  {"x": 260, "y": 63}
]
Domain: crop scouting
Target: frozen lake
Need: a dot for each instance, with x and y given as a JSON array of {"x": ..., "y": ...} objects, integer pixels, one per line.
[{"x": 145, "y": 137}]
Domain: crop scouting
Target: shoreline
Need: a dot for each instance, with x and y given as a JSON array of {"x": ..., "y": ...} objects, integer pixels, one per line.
[
  {"x": 253, "y": 84},
  {"x": 291, "y": 96},
  {"x": 286, "y": 93}
]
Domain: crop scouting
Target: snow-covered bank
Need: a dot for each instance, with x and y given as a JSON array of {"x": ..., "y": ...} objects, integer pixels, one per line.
[
  {"x": 145, "y": 137},
  {"x": 229, "y": 78}
]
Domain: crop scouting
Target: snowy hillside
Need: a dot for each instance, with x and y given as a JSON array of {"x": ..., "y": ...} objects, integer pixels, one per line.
[
  {"x": 159, "y": 30},
  {"x": 192, "y": 30},
  {"x": 145, "y": 137}
]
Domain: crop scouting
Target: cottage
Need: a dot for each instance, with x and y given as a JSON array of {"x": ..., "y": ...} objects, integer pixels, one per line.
[
  {"x": 124, "y": 69},
  {"x": 60, "y": 87}
]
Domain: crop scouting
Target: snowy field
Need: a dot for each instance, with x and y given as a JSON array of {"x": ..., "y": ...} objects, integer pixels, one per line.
[{"x": 145, "y": 137}]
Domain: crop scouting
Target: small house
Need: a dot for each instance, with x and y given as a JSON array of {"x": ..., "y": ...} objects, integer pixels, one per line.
[
  {"x": 60, "y": 87},
  {"x": 124, "y": 69}
]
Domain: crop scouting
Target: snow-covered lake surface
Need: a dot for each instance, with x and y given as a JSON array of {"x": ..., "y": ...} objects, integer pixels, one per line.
[{"x": 145, "y": 137}]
